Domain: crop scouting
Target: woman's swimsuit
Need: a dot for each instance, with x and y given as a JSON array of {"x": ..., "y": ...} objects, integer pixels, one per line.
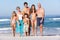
[
  {"x": 13, "y": 21},
  {"x": 19, "y": 27}
]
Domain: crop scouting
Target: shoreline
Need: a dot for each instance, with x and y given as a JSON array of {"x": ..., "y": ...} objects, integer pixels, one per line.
[
  {"x": 17, "y": 37},
  {"x": 45, "y": 32}
]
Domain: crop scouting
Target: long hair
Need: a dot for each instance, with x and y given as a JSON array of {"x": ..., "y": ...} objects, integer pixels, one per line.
[
  {"x": 31, "y": 10},
  {"x": 13, "y": 13}
]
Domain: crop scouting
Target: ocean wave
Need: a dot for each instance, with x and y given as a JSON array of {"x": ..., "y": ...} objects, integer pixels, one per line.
[
  {"x": 4, "y": 19},
  {"x": 5, "y": 28},
  {"x": 55, "y": 19},
  {"x": 57, "y": 28},
  {"x": 45, "y": 28}
]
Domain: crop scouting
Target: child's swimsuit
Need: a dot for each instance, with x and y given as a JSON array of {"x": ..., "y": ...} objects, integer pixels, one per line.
[{"x": 26, "y": 27}]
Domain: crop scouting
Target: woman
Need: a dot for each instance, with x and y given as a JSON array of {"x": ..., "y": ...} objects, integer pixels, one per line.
[
  {"x": 20, "y": 23},
  {"x": 13, "y": 21},
  {"x": 33, "y": 18}
]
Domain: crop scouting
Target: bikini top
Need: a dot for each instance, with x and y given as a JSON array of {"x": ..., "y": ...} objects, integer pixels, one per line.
[{"x": 13, "y": 21}]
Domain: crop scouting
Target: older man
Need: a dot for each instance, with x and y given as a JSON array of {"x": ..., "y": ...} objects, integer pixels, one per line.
[{"x": 40, "y": 17}]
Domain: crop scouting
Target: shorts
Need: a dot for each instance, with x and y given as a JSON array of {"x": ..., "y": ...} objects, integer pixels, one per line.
[
  {"x": 38, "y": 21},
  {"x": 26, "y": 27}
]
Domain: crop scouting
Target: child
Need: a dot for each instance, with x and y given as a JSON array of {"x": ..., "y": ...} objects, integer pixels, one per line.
[
  {"x": 13, "y": 22},
  {"x": 26, "y": 24}
]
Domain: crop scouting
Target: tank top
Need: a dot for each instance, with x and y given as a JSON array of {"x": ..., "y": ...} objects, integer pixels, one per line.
[{"x": 20, "y": 16}]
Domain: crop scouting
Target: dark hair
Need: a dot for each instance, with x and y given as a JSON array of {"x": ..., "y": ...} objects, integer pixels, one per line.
[
  {"x": 17, "y": 7},
  {"x": 25, "y": 3},
  {"x": 26, "y": 14},
  {"x": 31, "y": 10}
]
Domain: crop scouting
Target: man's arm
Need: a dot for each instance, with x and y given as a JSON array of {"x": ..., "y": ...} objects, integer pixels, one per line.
[{"x": 43, "y": 14}]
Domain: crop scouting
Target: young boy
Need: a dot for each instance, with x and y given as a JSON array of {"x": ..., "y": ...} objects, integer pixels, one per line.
[{"x": 26, "y": 24}]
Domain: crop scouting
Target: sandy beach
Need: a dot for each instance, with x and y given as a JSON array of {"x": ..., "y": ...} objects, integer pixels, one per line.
[
  {"x": 6, "y": 34},
  {"x": 17, "y": 37}
]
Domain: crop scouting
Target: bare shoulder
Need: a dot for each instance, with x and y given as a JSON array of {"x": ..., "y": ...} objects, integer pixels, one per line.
[
  {"x": 23, "y": 9},
  {"x": 28, "y": 8}
]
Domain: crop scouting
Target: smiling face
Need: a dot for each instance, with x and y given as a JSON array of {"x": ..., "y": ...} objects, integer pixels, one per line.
[
  {"x": 25, "y": 16},
  {"x": 33, "y": 7},
  {"x": 18, "y": 8},
  {"x": 26, "y": 5}
]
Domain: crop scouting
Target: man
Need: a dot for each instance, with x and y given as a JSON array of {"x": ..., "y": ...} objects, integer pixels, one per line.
[
  {"x": 26, "y": 10},
  {"x": 40, "y": 18}
]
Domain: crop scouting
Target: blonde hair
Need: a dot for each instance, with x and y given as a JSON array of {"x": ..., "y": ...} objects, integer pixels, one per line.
[
  {"x": 13, "y": 13},
  {"x": 17, "y": 7}
]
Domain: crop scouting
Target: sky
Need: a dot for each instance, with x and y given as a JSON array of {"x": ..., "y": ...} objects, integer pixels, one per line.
[{"x": 52, "y": 7}]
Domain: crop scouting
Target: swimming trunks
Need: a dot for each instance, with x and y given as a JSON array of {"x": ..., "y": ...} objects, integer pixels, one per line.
[
  {"x": 26, "y": 27},
  {"x": 38, "y": 21}
]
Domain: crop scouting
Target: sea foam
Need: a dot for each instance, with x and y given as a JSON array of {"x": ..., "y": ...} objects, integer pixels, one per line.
[
  {"x": 55, "y": 19},
  {"x": 5, "y": 28},
  {"x": 4, "y": 19}
]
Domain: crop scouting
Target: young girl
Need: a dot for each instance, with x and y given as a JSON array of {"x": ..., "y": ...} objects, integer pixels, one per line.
[
  {"x": 13, "y": 22},
  {"x": 33, "y": 18},
  {"x": 26, "y": 24}
]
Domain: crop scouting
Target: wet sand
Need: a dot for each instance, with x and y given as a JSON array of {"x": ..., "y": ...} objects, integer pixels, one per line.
[{"x": 9, "y": 36}]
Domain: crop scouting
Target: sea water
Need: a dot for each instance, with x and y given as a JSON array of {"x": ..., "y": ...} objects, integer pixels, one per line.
[{"x": 51, "y": 26}]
